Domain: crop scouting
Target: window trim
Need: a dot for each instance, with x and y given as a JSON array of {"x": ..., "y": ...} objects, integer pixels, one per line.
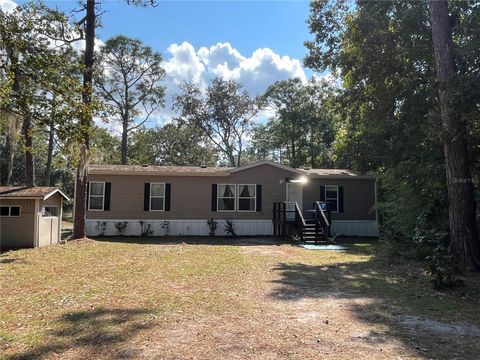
[
  {"x": 223, "y": 197},
  {"x": 249, "y": 198},
  {"x": 156, "y": 197},
  {"x": 326, "y": 199},
  {"x": 90, "y": 196},
  {"x": 51, "y": 206},
  {"x": 10, "y": 211}
]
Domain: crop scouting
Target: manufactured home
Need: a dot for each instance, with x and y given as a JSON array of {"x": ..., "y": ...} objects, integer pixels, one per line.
[
  {"x": 179, "y": 200},
  {"x": 30, "y": 216}
]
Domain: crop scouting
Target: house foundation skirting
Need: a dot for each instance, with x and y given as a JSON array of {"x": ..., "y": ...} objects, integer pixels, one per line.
[
  {"x": 354, "y": 227},
  {"x": 134, "y": 227},
  {"x": 175, "y": 227}
]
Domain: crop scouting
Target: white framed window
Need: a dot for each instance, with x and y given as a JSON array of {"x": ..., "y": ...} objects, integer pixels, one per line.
[
  {"x": 10, "y": 211},
  {"x": 96, "y": 196},
  {"x": 48, "y": 211},
  {"x": 331, "y": 197},
  {"x": 247, "y": 198},
  {"x": 226, "y": 196},
  {"x": 157, "y": 197}
]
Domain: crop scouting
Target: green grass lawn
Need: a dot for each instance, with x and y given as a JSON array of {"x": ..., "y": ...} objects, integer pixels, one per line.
[{"x": 236, "y": 299}]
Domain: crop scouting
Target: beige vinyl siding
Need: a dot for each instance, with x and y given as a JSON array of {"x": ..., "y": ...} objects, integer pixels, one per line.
[
  {"x": 54, "y": 200},
  {"x": 358, "y": 197},
  {"x": 18, "y": 231},
  {"x": 191, "y": 196}
]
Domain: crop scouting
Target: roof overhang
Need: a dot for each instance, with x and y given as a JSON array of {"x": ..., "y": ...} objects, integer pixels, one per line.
[
  {"x": 342, "y": 177},
  {"x": 155, "y": 173},
  {"x": 271, "y": 163},
  {"x": 44, "y": 197},
  {"x": 55, "y": 192}
]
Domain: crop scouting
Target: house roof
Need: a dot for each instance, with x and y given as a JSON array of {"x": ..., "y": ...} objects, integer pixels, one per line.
[
  {"x": 267, "y": 162},
  {"x": 24, "y": 192},
  {"x": 335, "y": 174},
  {"x": 159, "y": 170},
  {"x": 216, "y": 171}
]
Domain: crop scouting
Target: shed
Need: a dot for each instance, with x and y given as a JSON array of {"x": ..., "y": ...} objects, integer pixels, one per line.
[{"x": 30, "y": 216}]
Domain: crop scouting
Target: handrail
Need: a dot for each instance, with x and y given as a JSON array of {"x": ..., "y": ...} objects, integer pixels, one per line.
[
  {"x": 297, "y": 208},
  {"x": 317, "y": 204}
]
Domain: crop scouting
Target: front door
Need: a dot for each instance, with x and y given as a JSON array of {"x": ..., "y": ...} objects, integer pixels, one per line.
[{"x": 295, "y": 194}]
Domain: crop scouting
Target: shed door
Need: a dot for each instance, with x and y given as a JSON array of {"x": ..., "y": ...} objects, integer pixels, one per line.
[{"x": 48, "y": 230}]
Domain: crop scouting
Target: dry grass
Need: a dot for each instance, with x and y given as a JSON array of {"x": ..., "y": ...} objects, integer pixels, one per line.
[{"x": 227, "y": 299}]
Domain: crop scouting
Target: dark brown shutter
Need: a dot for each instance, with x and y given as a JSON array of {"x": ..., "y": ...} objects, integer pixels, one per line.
[
  {"x": 88, "y": 195},
  {"x": 167, "y": 196},
  {"x": 214, "y": 197},
  {"x": 322, "y": 193},
  {"x": 259, "y": 197},
  {"x": 340, "y": 199},
  {"x": 146, "y": 197},
  {"x": 106, "y": 199}
]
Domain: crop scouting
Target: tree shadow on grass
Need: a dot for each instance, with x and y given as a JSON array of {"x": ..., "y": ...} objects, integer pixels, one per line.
[
  {"x": 399, "y": 298},
  {"x": 91, "y": 334}
]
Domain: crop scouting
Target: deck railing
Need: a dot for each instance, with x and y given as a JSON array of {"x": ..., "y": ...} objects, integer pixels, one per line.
[{"x": 288, "y": 220}]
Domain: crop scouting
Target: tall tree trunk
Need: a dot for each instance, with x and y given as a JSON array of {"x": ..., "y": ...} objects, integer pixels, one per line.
[
  {"x": 124, "y": 141},
  {"x": 464, "y": 241},
  {"x": 48, "y": 170},
  {"x": 29, "y": 162},
  {"x": 11, "y": 144},
  {"x": 86, "y": 121},
  {"x": 293, "y": 162}
]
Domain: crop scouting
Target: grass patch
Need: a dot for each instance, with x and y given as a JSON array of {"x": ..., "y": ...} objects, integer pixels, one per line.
[{"x": 245, "y": 298}]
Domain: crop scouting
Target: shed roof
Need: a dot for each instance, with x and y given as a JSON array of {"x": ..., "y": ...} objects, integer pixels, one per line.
[{"x": 25, "y": 192}]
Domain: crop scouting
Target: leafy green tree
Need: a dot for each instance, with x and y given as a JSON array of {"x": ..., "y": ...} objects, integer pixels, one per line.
[
  {"x": 388, "y": 102},
  {"x": 38, "y": 72},
  {"x": 224, "y": 115},
  {"x": 176, "y": 143},
  {"x": 302, "y": 126},
  {"x": 464, "y": 243},
  {"x": 129, "y": 83},
  {"x": 86, "y": 27}
]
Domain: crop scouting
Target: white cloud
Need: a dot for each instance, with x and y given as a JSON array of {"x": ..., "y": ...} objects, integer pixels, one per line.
[
  {"x": 184, "y": 64},
  {"x": 7, "y": 5},
  {"x": 255, "y": 72}
]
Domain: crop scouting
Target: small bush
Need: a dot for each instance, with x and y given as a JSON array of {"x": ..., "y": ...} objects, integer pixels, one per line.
[
  {"x": 166, "y": 227},
  {"x": 101, "y": 227},
  {"x": 230, "y": 228},
  {"x": 146, "y": 228},
  {"x": 212, "y": 226},
  {"x": 443, "y": 269},
  {"x": 120, "y": 227}
]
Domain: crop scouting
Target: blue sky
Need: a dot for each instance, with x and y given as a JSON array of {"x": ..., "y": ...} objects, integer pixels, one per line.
[
  {"x": 252, "y": 42},
  {"x": 246, "y": 25}
]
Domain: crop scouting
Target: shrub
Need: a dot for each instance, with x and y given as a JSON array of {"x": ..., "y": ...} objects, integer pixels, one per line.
[
  {"x": 230, "y": 228},
  {"x": 146, "y": 228},
  {"x": 212, "y": 225},
  {"x": 120, "y": 227},
  {"x": 101, "y": 227},
  {"x": 443, "y": 270},
  {"x": 166, "y": 227}
]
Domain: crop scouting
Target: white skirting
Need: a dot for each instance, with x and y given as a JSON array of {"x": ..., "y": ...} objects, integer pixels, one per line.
[
  {"x": 178, "y": 227},
  {"x": 354, "y": 227}
]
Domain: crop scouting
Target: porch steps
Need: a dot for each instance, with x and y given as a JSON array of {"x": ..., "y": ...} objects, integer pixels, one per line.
[{"x": 309, "y": 233}]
